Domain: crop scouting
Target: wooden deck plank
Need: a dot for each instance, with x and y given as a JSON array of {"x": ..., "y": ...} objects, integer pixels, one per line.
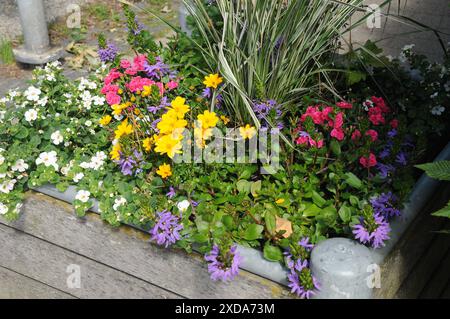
[
  {"x": 17, "y": 286},
  {"x": 49, "y": 264},
  {"x": 412, "y": 246},
  {"x": 427, "y": 265},
  {"x": 130, "y": 251},
  {"x": 438, "y": 281}
]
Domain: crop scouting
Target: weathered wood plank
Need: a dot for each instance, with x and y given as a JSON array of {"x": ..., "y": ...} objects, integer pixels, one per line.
[
  {"x": 130, "y": 251},
  {"x": 54, "y": 266},
  {"x": 439, "y": 279},
  {"x": 411, "y": 247},
  {"x": 425, "y": 267},
  {"x": 17, "y": 286}
]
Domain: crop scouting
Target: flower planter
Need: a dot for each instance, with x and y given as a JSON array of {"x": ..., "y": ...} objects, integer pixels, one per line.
[{"x": 341, "y": 265}]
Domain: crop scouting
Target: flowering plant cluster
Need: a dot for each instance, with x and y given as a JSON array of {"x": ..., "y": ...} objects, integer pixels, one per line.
[{"x": 116, "y": 136}]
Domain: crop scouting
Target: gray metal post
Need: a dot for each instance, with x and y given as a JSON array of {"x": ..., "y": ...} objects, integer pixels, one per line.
[
  {"x": 342, "y": 268},
  {"x": 36, "y": 49}
]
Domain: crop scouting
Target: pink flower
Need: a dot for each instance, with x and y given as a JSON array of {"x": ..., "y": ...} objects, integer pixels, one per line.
[
  {"x": 318, "y": 144},
  {"x": 376, "y": 116},
  {"x": 131, "y": 71},
  {"x": 139, "y": 62},
  {"x": 172, "y": 85},
  {"x": 373, "y": 135},
  {"x": 344, "y": 105},
  {"x": 125, "y": 64},
  {"x": 112, "y": 98},
  {"x": 302, "y": 140},
  {"x": 161, "y": 88},
  {"x": 112, "y": 76},
  {"x": 109, "y": 88},
  {"x": 314, "y": 113},
  {"x": 338, "y": 133},
  {"x": 356, "y": 135},
  {"x": 339, "y": 120},
  {"x": 137, "y": 83},
  {"x": 369, "y": 161},
  {"x": 379, "y": 102},
  {"x": 394, "y": 123}
]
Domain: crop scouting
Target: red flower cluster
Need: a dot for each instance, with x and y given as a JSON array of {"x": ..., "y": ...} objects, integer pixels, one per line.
[{"x": 378, "y": 111}]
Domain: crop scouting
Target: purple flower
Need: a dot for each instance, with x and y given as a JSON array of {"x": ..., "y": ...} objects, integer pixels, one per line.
[
  {"x": 304, "y": 242},
  {"x": 384, "y": 205},
  {"x": 136, "y": 28},
  {"x": 157, "y": 70},
  {"x": 223, "y": 267},
  {"x": 268, "y": 111},
  {"x": 167, "y": 229},
  {"x": 393, "y": 133},
  {"x": 207, "y": 94},
  {"x": 385, "y": 170},
  {"x": 373, "y": 232},
  {"x": 401, "y": 159},
  {"x": 108, "y": 53},
  {"x": 301, "y": 281},
  {"x": 171, "y": 194},
  {"x": 131, "y": 164}
]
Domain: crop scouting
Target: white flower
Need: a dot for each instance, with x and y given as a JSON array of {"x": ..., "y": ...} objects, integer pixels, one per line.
[
  {"x": 57, "y": 138},
  {"x": 43, "y": 102},
  {"x": 83, "y": 196},
  {"x": 7, "y": 186},
  {"x": 3, "y": 209},
  {"x": 434, "y": 95},
  {"x": 32, "y": 94},
  {"x": 438, "y": 110},
  {"x": 78, "y": 177},
  {"x": 50, "y": 77},
  {"x": 48, "y": 159},
  {"x": 119, "y": 202},
  {"x": 85, "y": 165},
  {"x": 88, "y": 123},
  {"x": 19, "y": 166},
  {"x": 2, "y": 159},
  {"x": 31, "y": 115},
  {"x": 183, "y": 206},
  {"x": 98, "y": 100}
]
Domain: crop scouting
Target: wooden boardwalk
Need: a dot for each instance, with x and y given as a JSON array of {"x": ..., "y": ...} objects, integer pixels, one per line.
[{"x": 39, "y": 251}]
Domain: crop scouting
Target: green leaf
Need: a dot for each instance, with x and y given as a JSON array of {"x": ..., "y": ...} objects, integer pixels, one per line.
[
  {"x": 253, "y": 232},
  {"x": 335, "y": 147},
  {"x": 255, "y": 188},
  {"x": 244, "y": 186},
  {"x": 353, "y": 180},
  {"x": 345, "y": 213},
  {"x": 444, "y": 212},
  {"x": 271, "y": 221},
  {"x": 355, "y": 77},
  {"x": 437, "y": 170},
  {"x": 318, "y": 200},
  {"x": 272, "y": 253}
]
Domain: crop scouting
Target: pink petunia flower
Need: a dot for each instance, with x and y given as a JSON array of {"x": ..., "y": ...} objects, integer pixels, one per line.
[
  {"x": 369, "y": 161},
  {"x": 373, "y": 135}
]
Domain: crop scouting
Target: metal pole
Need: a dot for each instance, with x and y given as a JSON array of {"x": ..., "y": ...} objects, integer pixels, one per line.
[{"x": 36, "y": 49}]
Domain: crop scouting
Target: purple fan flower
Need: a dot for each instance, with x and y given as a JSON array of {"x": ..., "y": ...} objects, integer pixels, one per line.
[
  {"x": 376, "y": 237},
  {"x": 385, "y": 170},
  {"x": 268, "y": 111},
  {"x": 108, "y": 53},
  {"x": 402, "y": 159},
  {"x": 137, "y": 28},
  {"x": 383, "y": 205},
  {"x": 301, "y": 281},
  {"x": 304, "y": 242},
  {"x": 223, "y": 269},
  {"x": 167, "y": 229},
  {"x": 157, "y": 70},
  {"x": 131, "y": 164},
  {"x": 392, "y": 133},
  {"x": 171, "y": 194},
  {"x": 207, "y": 94}
]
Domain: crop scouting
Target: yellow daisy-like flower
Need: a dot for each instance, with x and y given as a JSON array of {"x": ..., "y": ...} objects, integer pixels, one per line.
[
  {"x": 164, "y": 171},
  {"x": 105, "y": 120},
  {"x": 147, "y": 144},
  {"x": 146, "y": 91},
  {"x": 247, "y": 132},
  {"x": 168, "y": 145},
  {"x": 208, "y": 119},
  {"x": 225, "y": 119},
  {"x": 169, "y": 125},
  {"x": 115, "y": 152},
  {"x": 201, "y": 136},
  {"x": 119, "y": 91},
  {"x": 212, "y": 81},
  {"x": 118, "y": 108},
  {"x": 180, "y": 107},
  {"x": 123, "y": 129},
  {"x": 280, "y": 201}
]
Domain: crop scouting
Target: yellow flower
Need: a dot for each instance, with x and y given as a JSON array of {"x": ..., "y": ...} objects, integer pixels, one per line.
[
  {"x": 133, "y": 99},
  {"x": 212, "y": 81},
  {"x": 201, "y": 135},
  {"x": 280, "y": 201},
  {"x": 119, "y": 91},
  {"x": 225, "y": 119},
  {"x": 123, "y": 129},
  {"x": 115, "y": 155},
  {"x": 147, "y": 144},
  {"x": 147, "y": 91},
  {"x": 208, "y": 119},
  {"x": 164, "y": 171},
  {"x": 105, "y": 120},
  {"x": 179, "y": 106},
  {"x": 169, "y": 125},
  {"x": 168, "y": 145},
  {"x": 247, "y": 132},
  {"x": 118, "y": 108}
]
